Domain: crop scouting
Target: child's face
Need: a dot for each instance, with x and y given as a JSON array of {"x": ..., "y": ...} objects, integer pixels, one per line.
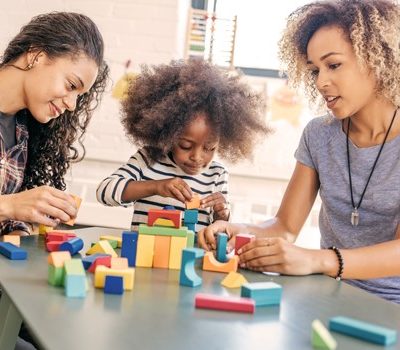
[
  {"x": 346, "y": 86},
  {"x": 196, "y": 146},
  {"x": 53, "y": 85}
]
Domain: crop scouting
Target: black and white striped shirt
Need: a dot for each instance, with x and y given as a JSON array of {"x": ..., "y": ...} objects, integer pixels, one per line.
[{"x": 139, "y": 168}]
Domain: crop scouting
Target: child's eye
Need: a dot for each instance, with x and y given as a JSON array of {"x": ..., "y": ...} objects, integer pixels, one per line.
[
  {"x": 210, "y": 149},
  {"x": 184, "y": 147},
  {"x": 72, "y": 86}
]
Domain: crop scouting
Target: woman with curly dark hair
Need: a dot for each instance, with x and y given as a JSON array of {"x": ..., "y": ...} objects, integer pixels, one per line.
[
  {"x": 346, "y": 53},
  {"x": 180, "y": 116},
  {"x": 52, "y": 75}
]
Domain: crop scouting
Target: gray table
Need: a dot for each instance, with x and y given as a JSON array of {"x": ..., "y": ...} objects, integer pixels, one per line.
[{"x": 159, "y": 314}]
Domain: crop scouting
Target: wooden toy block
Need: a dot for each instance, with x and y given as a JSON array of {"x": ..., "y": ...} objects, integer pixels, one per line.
[
  {"x": 161, "y": 251},
  {"x": 74, "y": 267},
  {"x": 78, "y": 202},
  {"x": 12, "y": 252},
  {"x": 57, "y": 259},
  {"x": 175, "y": 252},
  {"x": 363, "y": 330},
  {"x": 222, "y": 241},
  {"x": 119, "y": 263},
  {"x": 112, "y": 238},
  {"x": 241, "y": 239},
  {"x": 174, "y": 215},
  {"x": 129, "y": 247},
  {"x": 191, "y": 227},
  {"x": 55, "y": 275},
  {"x": 100, "y": 261},
  {"x": 191, "y": 216},
  {"x": 114, "y": 285},
  {"x": 53, "y": 246},
  {"x": 14, "y": 239},
  {"x": 162, "y": 231},
  {"x": 263, "y": 293},
  {"x": 163, "y": 223},
  {"x": 145, "y": 251},
  {"x": 58, "y": 236},
  {"x": 43, "y": 229},
  {"x": 102, "y": 247},
  {"x": 233, "y": 280},
  {"x": 216, "y": 302},
  {"x": 188, "y": 276},
  {"x": 190, "y": 239},
  {"x": 75, "y": 286},
  {"x": 194, "y": 203},
  {"x": 212, "y": 264},
  {"x": 87, "y": 261},
  {"x": 113, "y": 244},
  {"x": 103, "y": 271},
  {"x": 321, "y": 339},
  {"x": 73, "y": 245}
]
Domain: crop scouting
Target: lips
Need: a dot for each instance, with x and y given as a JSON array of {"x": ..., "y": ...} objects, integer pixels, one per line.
[
  {"x": 55, "y": 111},
  {"x": 331, "y": 101}
]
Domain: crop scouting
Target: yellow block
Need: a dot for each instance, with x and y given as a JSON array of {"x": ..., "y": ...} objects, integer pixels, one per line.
[
  {"x": 233, "y": 280},
  {"x": 103, "y": 271},
  {"x": 43, "y": 229},
  {"x": 210, "y": 263},
  {"x": 175, "y": 252},
  {"x": 119, "y": 263},
  {"x": 14, "y": 239},
  {"x": 145, "y": 251},
  {"x": 163, "y": 222},
  {"x": 103, "y": 247},
  {"x": 112, "y": 238},
  {"x": 58, "y": 259}
]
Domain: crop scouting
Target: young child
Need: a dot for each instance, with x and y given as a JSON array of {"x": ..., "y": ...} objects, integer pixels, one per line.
[
  {"x": 181, "y": 115},
  {"x": 348, "y": 53}
]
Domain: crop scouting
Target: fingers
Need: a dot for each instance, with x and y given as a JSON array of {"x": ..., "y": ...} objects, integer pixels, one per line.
[
  {"x": 212, "y": 200},
  {"x": 206, "y": 237},
  {"x": 181, "y": 190}
]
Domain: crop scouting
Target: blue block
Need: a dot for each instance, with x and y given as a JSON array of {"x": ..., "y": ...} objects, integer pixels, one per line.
[
  {"x": 12, "y": 252},
  {"x": 114, "y": 285},
  {"x": 129, "y": 247},
  {"x": 263, "y": 293},
  {"x": 88, "y": 260},
  {"x": 190, "y": 216},
  {"x": 75, "y": 286},
  {"x": 191, "y": 227},
  {"x": 363, "y": 330},
  {"x": 73, "y": 245},
  {"x": 188, "y": 276},
  {"x": 222, "y": 241},
  {"x": 169, "y": 207}
]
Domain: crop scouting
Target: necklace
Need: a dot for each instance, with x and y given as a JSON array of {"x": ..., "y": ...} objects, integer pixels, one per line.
[{"x": 355, "y": 216}]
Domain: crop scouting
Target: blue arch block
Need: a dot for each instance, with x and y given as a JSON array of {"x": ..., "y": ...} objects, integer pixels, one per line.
[{"x": 188, "y": 276}]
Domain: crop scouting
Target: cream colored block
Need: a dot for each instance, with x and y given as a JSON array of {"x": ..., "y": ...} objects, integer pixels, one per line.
[
  {"x": 145, "y": 251},
  {"x": 14, "y": 239},
  {"x": 175, "y": 252},
  {"x": 58, "y": 259},
  {"x": 119, "y": 263},
  {"x": 112, "y": 238},
  {"x": 102, "y": 271}
]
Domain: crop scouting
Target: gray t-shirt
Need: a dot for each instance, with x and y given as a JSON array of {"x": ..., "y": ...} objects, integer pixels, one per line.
[
  {"x": 323, "y": 148},
  {"x": 7, "y": 130}
]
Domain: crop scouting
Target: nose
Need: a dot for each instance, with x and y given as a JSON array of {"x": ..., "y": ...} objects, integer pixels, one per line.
[
  {"x": 197, "y": 155},
  {"x": 70, "y": 101},
  {"x": 322, "y": 81}
]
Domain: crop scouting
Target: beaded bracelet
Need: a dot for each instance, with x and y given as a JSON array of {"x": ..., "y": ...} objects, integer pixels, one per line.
[{"x": 338, "y": 277}]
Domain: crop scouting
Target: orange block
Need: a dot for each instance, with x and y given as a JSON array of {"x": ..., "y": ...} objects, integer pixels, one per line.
[
  {"x": 194, "y": 203},
  {"x": 161, "y": 251},
  {"x": 210, "y": 263},
  {"x": 78, "y": 202},
  {"x": 58, "y": 259}
]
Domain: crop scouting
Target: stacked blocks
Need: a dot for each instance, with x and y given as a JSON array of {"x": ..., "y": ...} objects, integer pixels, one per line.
[
  {"x": 321, "y": 338},
  {"x": 264, "y": 293},
  {"x": 12, "y": 252},
  {"x": 56, "y": 271},
  {"x": 194, "y": 203},
  {"x": 363, "y": 330},
  {"x": 90, "y": 259},
  {"x": 102, "y": 272},
  {"x": 114, "y": 285},
  {"x": 75, "y": 279},
  {"x": 241, "y": 239},
  {"x": 188, "y": 276},
  {"x": 222, "y": 241},
  {"x": 212, "y": 264},
  {"x": 190, "y": 219},
  {"x": 54, "y": 239},
  {"x": 73, "y": 245}
]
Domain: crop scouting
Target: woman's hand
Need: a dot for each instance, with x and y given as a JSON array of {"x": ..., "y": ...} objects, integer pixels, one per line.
[
  {"x": 44, "y": 205},
  {"x": 174, "y": 188},
  {"x": 276, "y": 254},
  {"x": 218, "y": 203}
]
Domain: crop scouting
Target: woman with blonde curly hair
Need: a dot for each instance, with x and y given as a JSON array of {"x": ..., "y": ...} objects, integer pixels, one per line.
[{"x": 346, "y": 54}]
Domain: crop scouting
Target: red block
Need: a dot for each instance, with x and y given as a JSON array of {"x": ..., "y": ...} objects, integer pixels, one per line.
[
  {"x": 241, "y": 239},
  {"x": 101, "y": 260},
  {"x": 59, "y": 236},
  {"x": 174, "y": 215},
  {"x": 53, "y": 246},
  {"x": 215, "y": 302}
]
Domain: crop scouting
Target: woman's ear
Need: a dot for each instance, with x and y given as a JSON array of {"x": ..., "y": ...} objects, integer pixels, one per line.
[{"x": 33, "y": 56}]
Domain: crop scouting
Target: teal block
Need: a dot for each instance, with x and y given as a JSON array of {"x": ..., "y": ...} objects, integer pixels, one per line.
[
  {"x": 263, "y": 293},
  {"x": 162, "y": 231},
  {"x": 188, "y": 276},
  {"x": 191, "y": 227},
  {"x": 191, "y": 216},
  {"x": 75, "y": 286},
  {"x": 363, "y": 330},
  {"x": 190, "y": 239},
  {"x": 222, "y": 241}
]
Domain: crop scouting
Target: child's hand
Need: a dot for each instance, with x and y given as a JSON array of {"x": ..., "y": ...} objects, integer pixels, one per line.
[
  {"x": 219, "y": 204},
  {"x": 174, "y": 188}
]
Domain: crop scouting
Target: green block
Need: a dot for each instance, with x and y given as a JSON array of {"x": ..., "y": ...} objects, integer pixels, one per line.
[
  {"x": 162, "y": 231},
  {"x": 321, "y": 339},
  {"x": 113, "y": 243},
  {"x": 74, "y": 267},
  {"x": 56, "y": 275},
  {"x": 190, "y": 239}
]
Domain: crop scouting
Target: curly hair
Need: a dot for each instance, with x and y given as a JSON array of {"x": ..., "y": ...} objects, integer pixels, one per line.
[
  {"x": 164, "y": 99},
  {"x": 371, "y": 26},
  {"x": 50, "y": 146}
]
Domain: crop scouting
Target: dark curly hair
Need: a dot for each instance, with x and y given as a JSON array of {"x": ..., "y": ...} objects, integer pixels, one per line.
[
  {"x": 50, "y": 146},
  {"x": 371, "y": 26},
  {"x": 163, "y": 99}
]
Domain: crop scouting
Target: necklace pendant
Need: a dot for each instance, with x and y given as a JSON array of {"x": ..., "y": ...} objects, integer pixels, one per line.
[{"x": 355, "y": 217}]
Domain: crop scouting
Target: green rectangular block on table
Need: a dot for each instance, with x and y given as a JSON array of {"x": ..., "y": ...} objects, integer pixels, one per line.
[
  {"x": 56, "y": 275},
  {"x": 163, "y": 231}
]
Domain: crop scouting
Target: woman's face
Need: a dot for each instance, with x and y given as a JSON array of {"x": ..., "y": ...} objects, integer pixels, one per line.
[
  {"x": 53, "y": 85},
  {"x": 346, "y": 86}
]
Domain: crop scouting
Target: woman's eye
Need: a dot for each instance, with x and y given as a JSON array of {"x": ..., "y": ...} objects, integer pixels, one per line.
[{"x": 334, "y": 66}]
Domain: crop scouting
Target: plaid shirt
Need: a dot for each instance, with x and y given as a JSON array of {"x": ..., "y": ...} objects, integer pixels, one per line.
[{"x": 12, "y": 167}]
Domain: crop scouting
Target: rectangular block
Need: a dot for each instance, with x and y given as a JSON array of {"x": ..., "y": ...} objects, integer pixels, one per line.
[
  {"x": 241, "y": 239},
  {"x": 58, "y": 259},
  {"x": 162, "y": 231},
  {"x": 129, "y": 247},
  {"x": 112, "y": 238},
  {"x": 194, "y": 203},
  {"x": 78, "y": 202},
  {"x": 55, "y": 275},
  {"x": 74, "y": 267},
  {"x": 145, "y": 251},
  {"x": 119, "y": 263},
  {"x": 161, "y": 251},
  {"x": 190, "y": 239},
  {"x": 174, "y": 215},
  {"x": 175, "y": 252},
  {"x": 263, "y": 293},
  {"x": 102, "y": 272},
  {"x": 12, "y": 252},
  {"x": 363, "y": 330},
  {"x": 13, "y": 239},
  {"x": 215, "y": 302},
  {"x": 114, "y": 285},
  {"x": 191, "y": 216}
]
